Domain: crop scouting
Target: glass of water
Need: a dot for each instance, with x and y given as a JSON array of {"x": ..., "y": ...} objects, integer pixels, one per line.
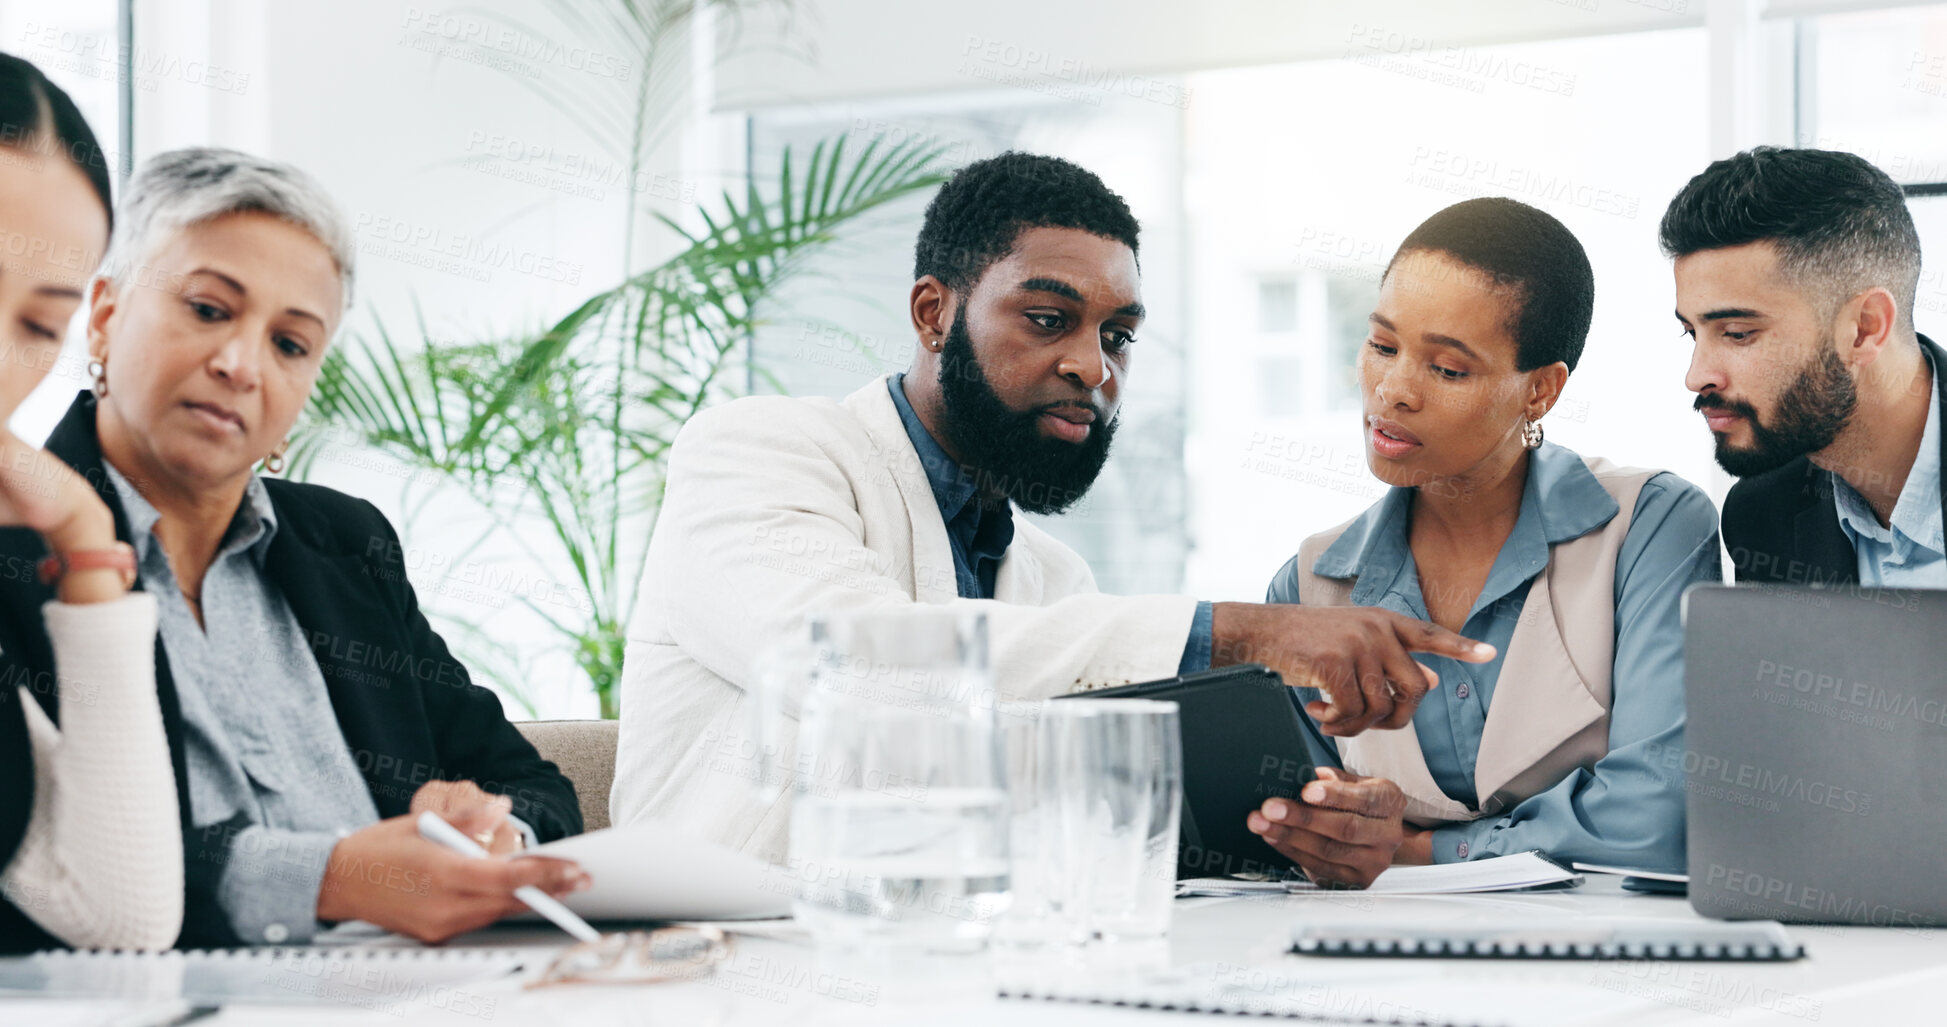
[
  {"x": 1031, "y": 922},
  {"x": 1111, "y": 799},
  {"x": 899, "y": 824},
  {"x": 765, "y": 756}
]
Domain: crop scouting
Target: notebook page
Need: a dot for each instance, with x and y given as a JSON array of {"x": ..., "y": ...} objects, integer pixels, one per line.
[
  {"x": 1651, "y": 875},
  {"x": 1501, "y": 873},
  {"x": 1371, "y": 993},
  {"x": 391, "y": 980}
]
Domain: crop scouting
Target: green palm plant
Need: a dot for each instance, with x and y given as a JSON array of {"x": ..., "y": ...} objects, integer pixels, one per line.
[{"x": 570, "y": 427}]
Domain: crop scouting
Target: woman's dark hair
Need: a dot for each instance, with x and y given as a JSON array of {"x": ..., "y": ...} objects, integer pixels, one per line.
[
  {"x": 1530, "y": 253},
  {"x": 37, "y": 116}
]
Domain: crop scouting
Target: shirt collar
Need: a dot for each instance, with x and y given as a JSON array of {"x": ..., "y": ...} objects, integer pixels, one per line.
[
  {"x": 1916, "y": 514},
  {"x": 953, "y": 489},
  {"x": 253, "y": 527},
  {"x": 1561, "y": 500}
]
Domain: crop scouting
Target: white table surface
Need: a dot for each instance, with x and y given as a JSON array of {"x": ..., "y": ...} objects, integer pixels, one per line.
[{"x": 1881, "y": 977}]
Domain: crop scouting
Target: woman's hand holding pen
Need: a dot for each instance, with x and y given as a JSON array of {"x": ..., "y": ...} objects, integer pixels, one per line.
[{"x": 388, "y": 875}]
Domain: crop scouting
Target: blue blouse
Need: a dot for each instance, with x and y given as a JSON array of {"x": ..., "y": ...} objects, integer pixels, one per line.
[{"x": 1628, "y": 810}]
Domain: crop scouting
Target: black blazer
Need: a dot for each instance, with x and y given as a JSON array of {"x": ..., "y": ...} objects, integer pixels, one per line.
[
  {"x": 1782, "y": 527},
  {"x": 406, "y": 706}
]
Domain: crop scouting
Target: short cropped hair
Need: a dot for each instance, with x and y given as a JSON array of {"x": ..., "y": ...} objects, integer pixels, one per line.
[
  {"x": 975, "y": 218},
  {"x": 1534, "y": 256},
  {"x": 181, "y": 188},
  {"x": 1840, "y": 225},
  {"x": 37, "y": 116}
]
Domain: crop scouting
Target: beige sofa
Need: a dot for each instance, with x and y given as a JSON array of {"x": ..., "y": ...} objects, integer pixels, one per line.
[{"x": 585, "y": 752}]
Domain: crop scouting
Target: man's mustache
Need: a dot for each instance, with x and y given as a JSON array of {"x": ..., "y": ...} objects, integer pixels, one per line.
[
  {"x": 1716, "y": 401},
  {"x": 1068, "y": 404}
]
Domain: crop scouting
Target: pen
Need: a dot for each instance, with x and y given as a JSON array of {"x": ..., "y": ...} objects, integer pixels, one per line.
[
  {"x": 178, "y": 1015},
  {"x": 434, "y": 828}
]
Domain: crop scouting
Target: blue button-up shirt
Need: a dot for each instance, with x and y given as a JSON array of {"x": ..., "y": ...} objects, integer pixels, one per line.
[
  {"x": 259, "y": 733},
  {"x": 979, "y": 532},
  {"x": 1628, "y": 810},
  {"x": 1908, "y": 552}
]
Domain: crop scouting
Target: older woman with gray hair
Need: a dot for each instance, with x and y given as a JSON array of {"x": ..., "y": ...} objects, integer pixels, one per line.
[{"x": 310, "y": 706}]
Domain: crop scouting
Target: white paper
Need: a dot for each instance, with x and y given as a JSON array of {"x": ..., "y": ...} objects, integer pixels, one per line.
[
  {"x": 1649, "y": 875},
  {"x": 1500, "y": 873},
  {"x": 650, "y": 870}
]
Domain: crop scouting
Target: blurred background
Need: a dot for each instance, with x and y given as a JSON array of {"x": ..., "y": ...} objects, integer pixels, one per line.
[{"x": 581, "y": 220}]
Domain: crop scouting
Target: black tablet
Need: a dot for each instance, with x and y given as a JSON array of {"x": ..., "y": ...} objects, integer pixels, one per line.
[{"x": 1244, "y": 741}]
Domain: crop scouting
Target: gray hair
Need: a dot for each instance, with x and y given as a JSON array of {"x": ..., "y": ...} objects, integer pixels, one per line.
[{"x": 180, "y": 188}]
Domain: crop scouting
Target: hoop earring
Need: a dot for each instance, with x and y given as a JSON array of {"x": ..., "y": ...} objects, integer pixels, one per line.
[
  {"x": 274, "y": 463},
  {"x": 98, "y": 370},
  {"x": 1532, "y": 434}
]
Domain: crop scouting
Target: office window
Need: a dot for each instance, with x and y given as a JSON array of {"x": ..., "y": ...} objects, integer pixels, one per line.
[
  {"x": 1331, "y": 194},
  {"x": 1277, "y": 305},
  {"x": 1280, "y": 383},
  {"x": 1878, "y": 88},
  {"x": 1348, "y": 302},
  {"x": 74, "y": 44}
]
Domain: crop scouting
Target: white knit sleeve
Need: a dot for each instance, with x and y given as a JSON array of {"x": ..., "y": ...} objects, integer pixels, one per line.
[{"x": 102, "y": 861}]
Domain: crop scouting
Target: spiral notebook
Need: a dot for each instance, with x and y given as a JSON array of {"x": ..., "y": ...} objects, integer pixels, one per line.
[
  {"x": 1529, "y": 938},
  {"x": 1370, "y": 992},
  {"x": 1229, "y": 989},
  {"x": 378, "y": 979}
]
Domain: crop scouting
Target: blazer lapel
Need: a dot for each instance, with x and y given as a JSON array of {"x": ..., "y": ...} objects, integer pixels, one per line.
[
  {"x": 1541, "y": 698},
  {"x": 932, "y": 556},
  {"x": 74, "y": 441},
  {"x": 1940, "y": 396},
  {"x": 1019, "y": 579},
  {"x": 1817, "y": 537},
  {"x": 1397, "y": 755},
  {"x": 355, "y": 649},
  {"x": 1541, "y": 701}
]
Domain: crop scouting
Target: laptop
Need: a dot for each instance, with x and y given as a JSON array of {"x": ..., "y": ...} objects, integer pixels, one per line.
[{"x": 1815, "y": 755}]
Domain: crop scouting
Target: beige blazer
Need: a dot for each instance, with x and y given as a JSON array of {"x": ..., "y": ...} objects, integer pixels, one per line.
[
  {"x": 777, "y": 507},
  {"x": 1550, "y": 713}
]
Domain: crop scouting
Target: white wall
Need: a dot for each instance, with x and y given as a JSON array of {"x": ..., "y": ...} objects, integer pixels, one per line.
[
  {"x": 849, "y": 49},
  {"x": 1319, "y": 169}
]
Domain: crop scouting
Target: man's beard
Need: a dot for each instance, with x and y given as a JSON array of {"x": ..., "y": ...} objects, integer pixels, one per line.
[
  {"x": 1811, "y": 413},
  {"x": 1003, "y": 449}
]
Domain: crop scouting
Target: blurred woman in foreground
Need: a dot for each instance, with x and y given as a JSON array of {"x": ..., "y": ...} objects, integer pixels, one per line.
[{"x": 89, "y": 841}]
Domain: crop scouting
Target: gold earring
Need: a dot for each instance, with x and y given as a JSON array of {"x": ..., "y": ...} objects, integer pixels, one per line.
[
  {"x": 274, "y": 463},
  {"x": 98, "y": 370}
]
